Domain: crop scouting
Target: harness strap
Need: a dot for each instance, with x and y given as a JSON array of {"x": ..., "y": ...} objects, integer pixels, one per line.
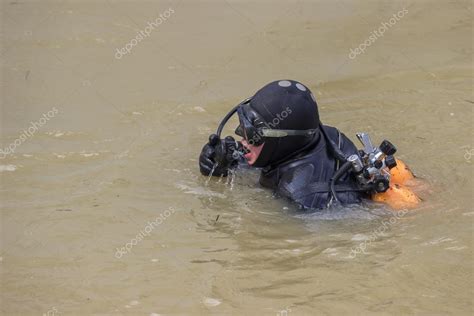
[
  {"x": 324, "y": 187},
  {"x": 337, "y": 165}
]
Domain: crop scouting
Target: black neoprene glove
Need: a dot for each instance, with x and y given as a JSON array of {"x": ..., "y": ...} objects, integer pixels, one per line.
[{"x": 218, "y": 156}]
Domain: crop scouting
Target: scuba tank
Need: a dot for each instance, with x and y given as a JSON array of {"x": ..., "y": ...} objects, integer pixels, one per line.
[
  {"x": 399, "y": 195},
  {"x": 378, "y": 172}
]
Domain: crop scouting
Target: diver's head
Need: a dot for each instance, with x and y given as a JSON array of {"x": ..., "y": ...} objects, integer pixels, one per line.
[{"x": 280, "y": 119}]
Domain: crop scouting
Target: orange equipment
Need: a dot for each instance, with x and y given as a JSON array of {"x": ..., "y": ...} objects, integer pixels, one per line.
[{"x": 399, "y": 195}]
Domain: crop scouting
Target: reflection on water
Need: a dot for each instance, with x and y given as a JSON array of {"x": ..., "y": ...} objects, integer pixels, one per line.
[{"x": 123, "y": 149}]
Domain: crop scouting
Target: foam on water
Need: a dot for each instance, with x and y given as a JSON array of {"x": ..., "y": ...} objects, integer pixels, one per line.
[{"x": 10, "y": 168}]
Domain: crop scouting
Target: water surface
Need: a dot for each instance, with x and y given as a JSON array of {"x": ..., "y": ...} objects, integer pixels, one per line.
[{"x": 122, "y": 151}]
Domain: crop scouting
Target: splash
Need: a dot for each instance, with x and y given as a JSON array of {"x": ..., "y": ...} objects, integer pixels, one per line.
[
  {"x": 231, "y": 179},
  {"x": 211, "y": 173}
]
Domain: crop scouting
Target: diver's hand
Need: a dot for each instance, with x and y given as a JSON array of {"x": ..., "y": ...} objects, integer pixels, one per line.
[
  {"x": 218, "y": 156},
  {"x": 207, "y": 159}
]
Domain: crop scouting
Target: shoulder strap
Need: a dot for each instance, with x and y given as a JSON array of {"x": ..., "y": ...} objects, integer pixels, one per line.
[
  {"x": 323, "y": 187},
  {"x": 338, "y": 164},
  {"x": 334, "y": 148}
]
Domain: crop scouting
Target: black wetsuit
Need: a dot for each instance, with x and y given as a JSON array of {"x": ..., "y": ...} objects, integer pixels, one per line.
[{"x": 305, "y": 178}]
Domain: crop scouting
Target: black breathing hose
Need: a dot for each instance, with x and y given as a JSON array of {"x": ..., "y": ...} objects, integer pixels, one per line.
[
  {"x": 345, "y": 167},
  {"x": 225, "y": 119}
]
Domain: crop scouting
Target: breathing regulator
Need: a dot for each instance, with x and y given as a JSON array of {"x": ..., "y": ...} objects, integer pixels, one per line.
[
  {"x": 227, "y": 151},
  {"x": 370, "y": 166}
]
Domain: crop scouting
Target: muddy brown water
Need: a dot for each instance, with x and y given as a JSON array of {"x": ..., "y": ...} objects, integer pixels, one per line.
[{"x": 112, "y": 159}]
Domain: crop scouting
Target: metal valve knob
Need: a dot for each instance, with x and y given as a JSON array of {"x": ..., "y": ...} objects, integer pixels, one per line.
[
  {"x": 390, "y": 162},
  {"x": 387, "y": 148}
]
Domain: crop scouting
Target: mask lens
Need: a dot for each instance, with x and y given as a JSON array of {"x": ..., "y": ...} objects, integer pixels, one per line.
[
  {"x": 239, "y": 130},
  {"x": 247, "y": 130}
]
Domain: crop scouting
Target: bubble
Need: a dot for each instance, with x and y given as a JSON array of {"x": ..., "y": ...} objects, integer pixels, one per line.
[{"x": 211, "y": 302}]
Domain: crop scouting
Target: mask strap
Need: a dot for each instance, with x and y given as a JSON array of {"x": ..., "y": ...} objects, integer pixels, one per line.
[{"x": 268, "y": 132}]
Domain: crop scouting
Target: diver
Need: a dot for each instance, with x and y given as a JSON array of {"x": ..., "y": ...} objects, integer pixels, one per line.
[{"x": 312, "y": 164}]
